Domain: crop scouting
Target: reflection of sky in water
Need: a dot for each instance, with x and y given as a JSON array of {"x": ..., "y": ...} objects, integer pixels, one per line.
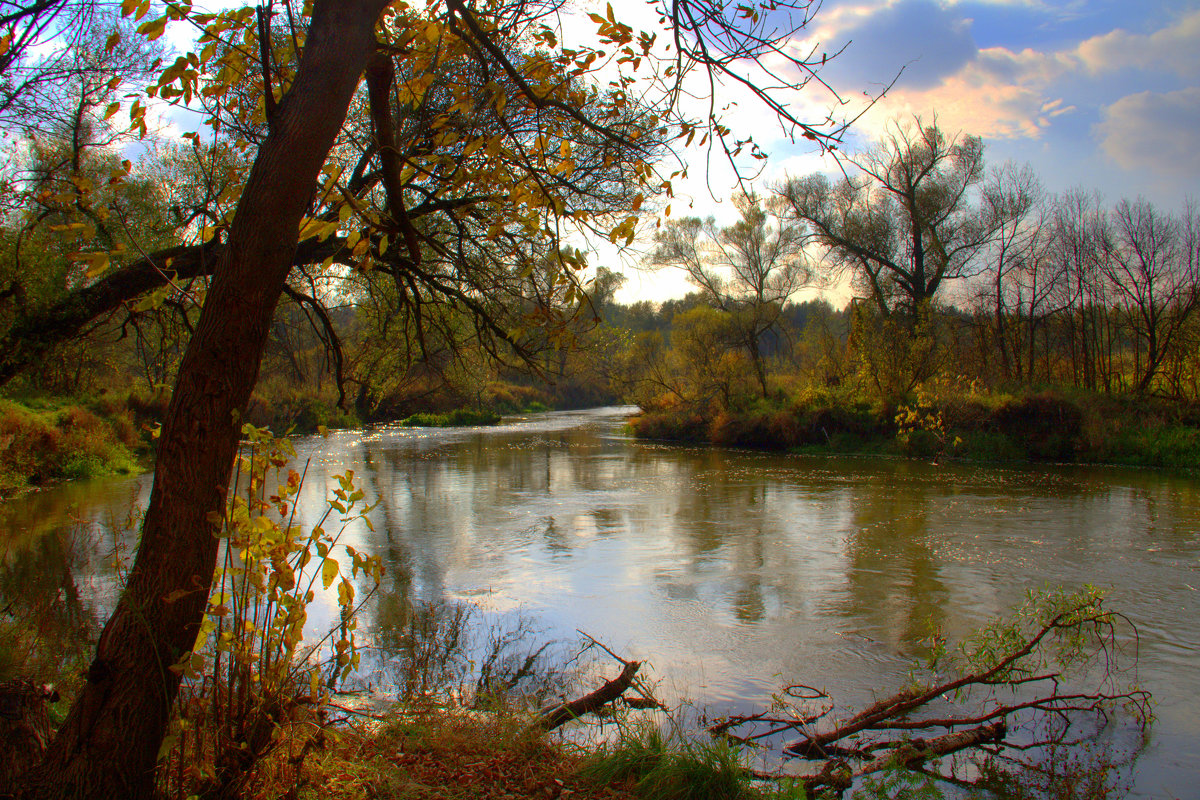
[{"x": 734, "y": 573}]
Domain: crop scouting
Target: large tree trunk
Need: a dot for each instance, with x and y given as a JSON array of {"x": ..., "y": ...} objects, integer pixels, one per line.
[{"x": 108, "y": 745}]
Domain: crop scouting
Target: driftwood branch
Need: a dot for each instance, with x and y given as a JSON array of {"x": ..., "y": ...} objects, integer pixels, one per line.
[
  {"x": 1023, "y": 684},
  {"x": 557, "y": 716}
]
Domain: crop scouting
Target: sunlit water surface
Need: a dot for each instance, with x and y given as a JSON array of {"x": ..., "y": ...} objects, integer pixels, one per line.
[{"x": 733, "y": 573}]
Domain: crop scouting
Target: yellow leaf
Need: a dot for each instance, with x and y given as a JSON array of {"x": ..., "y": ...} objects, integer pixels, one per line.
[
  {"x": 329, "y": 572},
  {"x": 153, "y": 29},
  {"x": 112, "y": 109},
  {"x": 113, "y": 41}
]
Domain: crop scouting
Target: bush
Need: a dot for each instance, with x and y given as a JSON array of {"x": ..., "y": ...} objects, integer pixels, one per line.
[
  {"x": 1049, "y": 427},
  {"x": 460, "y": 417},
  {"x": 49, "y": 442},
  {"x": 676, "y": 426}
]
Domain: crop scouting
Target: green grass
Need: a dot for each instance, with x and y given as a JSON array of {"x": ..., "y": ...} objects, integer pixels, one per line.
[
  {"x": 452, "y": 419},
  {"x": 663, "y": 767}
]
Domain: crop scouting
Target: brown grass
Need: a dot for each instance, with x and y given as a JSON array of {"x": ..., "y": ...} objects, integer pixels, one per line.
[{"x": 450, "y": 755}]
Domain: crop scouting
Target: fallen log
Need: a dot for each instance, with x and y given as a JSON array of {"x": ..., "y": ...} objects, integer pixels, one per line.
[
  {"x": 1028, "y": 678},
  {"x": 906, "y": 754},
  {"x": 556, "y": 716}
]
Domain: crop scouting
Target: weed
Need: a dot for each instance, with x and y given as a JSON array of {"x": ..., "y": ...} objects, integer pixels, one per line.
[
  {"x": 253, "y": 687},
  {"x": 661, "y": 766}
]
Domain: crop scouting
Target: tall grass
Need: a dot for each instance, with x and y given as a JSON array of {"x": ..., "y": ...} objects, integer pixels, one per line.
[{"x": 662, "y": 766}]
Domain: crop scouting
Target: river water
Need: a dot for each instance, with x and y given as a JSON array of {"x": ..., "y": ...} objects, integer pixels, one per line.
[{"x": 732, "y": 572}]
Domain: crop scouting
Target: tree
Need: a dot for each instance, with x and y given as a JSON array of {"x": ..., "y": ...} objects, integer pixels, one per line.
[
  {"x": 1079, "y": 290},
  {"x": 109, "y": 742},
  {"x": 908, "y": 224},
  {"x": 748, "y": 270},
  {"x": 1013, "y": 197},
  {"x": 40, "y": 55},
  {"x": 1150, "y": 258}
]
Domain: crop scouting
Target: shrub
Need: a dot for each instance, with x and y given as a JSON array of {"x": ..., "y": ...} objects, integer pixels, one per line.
[
  {"x": 677, "y": 426},
  {"x": 39, "y": 446},
  {"x": 1048, "y": 426}
]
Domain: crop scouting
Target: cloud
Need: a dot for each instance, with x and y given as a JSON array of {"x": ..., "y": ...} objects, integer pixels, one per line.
[
  {"x": 928, "y": 40},
  {"x": 1153, "y": 131},
  {"x": 1173, "y": 49},
  {"x": 1000, "y": 94},
  {"x": 1005, "y": 93}
]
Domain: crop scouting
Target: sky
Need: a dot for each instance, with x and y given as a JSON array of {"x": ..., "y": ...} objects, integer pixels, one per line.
[{"x": 1099, "y": 94}]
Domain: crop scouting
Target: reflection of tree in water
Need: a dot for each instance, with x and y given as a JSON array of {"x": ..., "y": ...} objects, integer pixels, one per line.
[
  {"x": 1169, "y": 505},
  {"x": 893, "y": 571},
  {"x": 46, "y": 627},
  {"x": 723, "y": 518},
  {"x": 389, "y": 610},
  {"x": 60, "y": 573}
]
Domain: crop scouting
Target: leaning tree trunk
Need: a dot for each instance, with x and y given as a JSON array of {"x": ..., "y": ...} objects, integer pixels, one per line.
[{"x": 108, "y": 745}]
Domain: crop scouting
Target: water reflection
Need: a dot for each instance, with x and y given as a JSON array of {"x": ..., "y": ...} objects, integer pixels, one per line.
[{"x": 732, "y": 572}]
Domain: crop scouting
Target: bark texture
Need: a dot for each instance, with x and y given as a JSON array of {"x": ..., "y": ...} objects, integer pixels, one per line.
[
  {"x": 108, "y": 745},
  {"x": 24, "y": 729}
]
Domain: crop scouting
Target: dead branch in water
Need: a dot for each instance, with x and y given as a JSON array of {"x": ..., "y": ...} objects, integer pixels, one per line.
[
  {"x": 1010, "y": 692},
  {"x": 558, "y": 715}
]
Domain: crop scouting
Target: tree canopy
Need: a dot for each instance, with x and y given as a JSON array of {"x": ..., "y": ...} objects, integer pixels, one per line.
[{"x": 482, "y": 137}]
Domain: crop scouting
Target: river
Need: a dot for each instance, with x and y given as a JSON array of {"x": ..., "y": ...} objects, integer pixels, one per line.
[{"x": 732, "y": 572}]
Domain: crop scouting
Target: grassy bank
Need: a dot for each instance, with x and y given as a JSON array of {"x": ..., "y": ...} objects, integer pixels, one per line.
[
  {"x": 1040, "y": 427},
  {"x": 452, "y": 419},
  {"x": 451, "y": 756},
  {"x": 44, "y": 440}
]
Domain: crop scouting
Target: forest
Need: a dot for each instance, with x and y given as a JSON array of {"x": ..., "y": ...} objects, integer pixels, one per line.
[{"x": 381, "y": 210}]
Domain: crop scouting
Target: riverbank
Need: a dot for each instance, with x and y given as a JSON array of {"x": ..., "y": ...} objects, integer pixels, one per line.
[
  {"x": 44, "y": 440},
  {"x": 48, "y": 439},
  {"x": 1044, "y": 427}
]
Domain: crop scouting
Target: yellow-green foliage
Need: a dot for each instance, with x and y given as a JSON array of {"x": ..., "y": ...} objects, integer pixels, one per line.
[
  {"x": 56, "y": 442},
  {"x": 659, "y": 766},
  {"x": 253, "y": 684}
]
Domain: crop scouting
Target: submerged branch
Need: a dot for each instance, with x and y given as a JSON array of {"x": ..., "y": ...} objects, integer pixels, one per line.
[{"x": 1011, "y": 677}]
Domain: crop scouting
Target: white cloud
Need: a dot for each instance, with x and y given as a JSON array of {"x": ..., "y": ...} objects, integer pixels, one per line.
[
  {"x": 999, "y": 94},
  {"x": 1154, "y": 131},
  {"x": 1173, "y": 49}
]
